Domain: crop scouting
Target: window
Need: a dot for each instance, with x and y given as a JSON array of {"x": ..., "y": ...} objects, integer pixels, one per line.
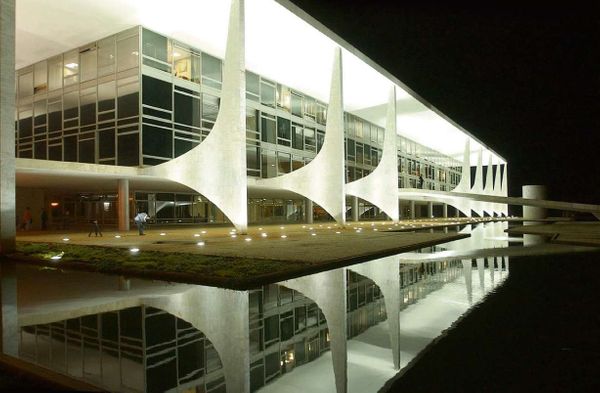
[
  {"x": 156, "y": 93},
  {"x": 268, "y": 128},
  {"x": 55, "y": 73},
  {"x": 127, "y": 100},
  {"x": 155, "y": 45},
  {"x": 283, "y": 131},
  {"x": 127, "y": 53},
  {"x": 252, "y": 86},
  {"x": 88, "y": 63},
  {"x": 187, "y": 110},
  {"x": 283, "y": 97},
  {"x": 106, "y": 144},
  {"x": 40, "y": 77},
  {"x": 157, "y": 141},
  {"x": 87, "y": 106},
  {"x": 210, "y": 107},
  {"x": 268, "y": 163},
  {"x": 128, "y": 150},
  {"x": 296, "y": 104},
  {"x": 71, "y": 67},
  {"x": 310, "y": 142},
  {"x": 106, "y": 56},
  {"x": 283, "y": 163},
  {"x": 106, "y": 96},
  {"x": 186, "y": 64},
  {"x": 267, "y": 93},
  {"x": 211, "y": 71},
  {"x": 253, "y": 160},
  {"x": 297, "y": 136}
]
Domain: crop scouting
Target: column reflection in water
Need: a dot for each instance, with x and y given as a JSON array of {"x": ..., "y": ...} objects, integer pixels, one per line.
[{"x": 348, "y": 329}]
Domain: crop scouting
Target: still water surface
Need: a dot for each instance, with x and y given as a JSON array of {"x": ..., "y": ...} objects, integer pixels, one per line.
[{"x": 349, "y": 329}]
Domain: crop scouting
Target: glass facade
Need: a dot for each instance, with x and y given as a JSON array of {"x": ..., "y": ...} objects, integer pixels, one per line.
[
  {"x": 137, "y": 349},
  {"x": 109, "y": 103}
]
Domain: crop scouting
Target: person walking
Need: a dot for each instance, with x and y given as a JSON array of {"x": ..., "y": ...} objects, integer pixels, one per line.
[
  {"x": 140, "y": 220},
  {"x": 27, "y": 219},
  {"x": 44, "y": 219},
  {"x": 95, "y": 228}
]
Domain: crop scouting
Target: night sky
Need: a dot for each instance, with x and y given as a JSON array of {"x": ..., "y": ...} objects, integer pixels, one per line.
[{"x": 523, "y": 79}]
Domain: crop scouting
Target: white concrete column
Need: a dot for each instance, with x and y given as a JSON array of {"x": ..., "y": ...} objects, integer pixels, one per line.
[
  {"x": 123, "y": 204},
  {"x": 445, "y": 210},
  {"x": 481, "y": 272},
  {"x": 412, "y": 210},
  {"x": 222, "y": 315},
  {"x": 328, "y": 290},
  {"x": 429, "y": 209},
  {"x": 534, "y": 192},
  {"x": 380, "y": 187},
  {"x": 467, "y": 273},
  {"x": 464, "y": 185},
  {"x": 532, "y": 212},
  {"x": 355, "y": 217},
  {"x": 308, "y": 210},
  {"x": 7, "y": 127},
  {"x": 323, "y": 179},
  {"x": 216, "y": 168},
  {"x": 385, "y": 272}
]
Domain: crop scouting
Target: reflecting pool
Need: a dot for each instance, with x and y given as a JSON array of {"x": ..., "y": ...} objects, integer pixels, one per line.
[{"x": 344, "y": 330}]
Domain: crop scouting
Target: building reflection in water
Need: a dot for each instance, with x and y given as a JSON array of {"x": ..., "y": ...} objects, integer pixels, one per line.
[{"x": 368, "y": 320}]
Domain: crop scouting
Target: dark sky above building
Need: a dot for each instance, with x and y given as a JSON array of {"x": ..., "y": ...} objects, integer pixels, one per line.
[{"x": 525, "y": 79}]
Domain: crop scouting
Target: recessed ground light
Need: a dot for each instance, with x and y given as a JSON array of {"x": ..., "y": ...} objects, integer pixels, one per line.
[
  {"x": 338, "y": 232},
  {"x": 304, "y": 226},
  {"x": 263, "y": 234},
  {"x": 196, "y": 235},
  {"x": 57, "y": 256},
  {"x": 66, "y": 239},
  {"x": 310, "y": 228},
  {"x": 328, "y": 227},
  {"x": 202, "y": 231},
  {"x": 134, "y": 250},
  {"x": 200, "y": 244},
  {"x": 260, "y": 229},
  {"x": 281, "y": 227},
  {"x": 283, "y": 236},
  {"x": 234, "y": 236},
  {"x": 162, "y": 234},
  {"x": 375, "y": 229},
  {"x": 313, "y": 234},
  {"x": 248, "y": 239},
  {"x": 117, "y": 236}
]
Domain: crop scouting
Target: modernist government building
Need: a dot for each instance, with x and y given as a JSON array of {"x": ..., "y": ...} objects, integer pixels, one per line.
[{"x": 221, "y": 111}]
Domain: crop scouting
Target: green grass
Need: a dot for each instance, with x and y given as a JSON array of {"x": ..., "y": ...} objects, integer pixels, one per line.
[{"x": 117, "y": 260}]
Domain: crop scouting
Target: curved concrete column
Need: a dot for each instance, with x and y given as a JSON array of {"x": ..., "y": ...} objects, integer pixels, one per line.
[
  {"x": 380, "y": 187},
  {"x": 322, "y": 180},
  {"x": 504, "y": 187},
  {"x": 210, "y": 309},
  {"x": 328, "y": 291},
  {"x": 8, "y": 228},
  {"x": 488, "y": 189},
  {"x": 464, "y": 185},
  {"x": 481, "y": 273},
  {"x": 496, "y": 192},
  {"x": 478, "y": 184},
  {"x": 468, "y": 275},
  {"x": 217, "y": 167},
  {"x": 385, "y": 273}
]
